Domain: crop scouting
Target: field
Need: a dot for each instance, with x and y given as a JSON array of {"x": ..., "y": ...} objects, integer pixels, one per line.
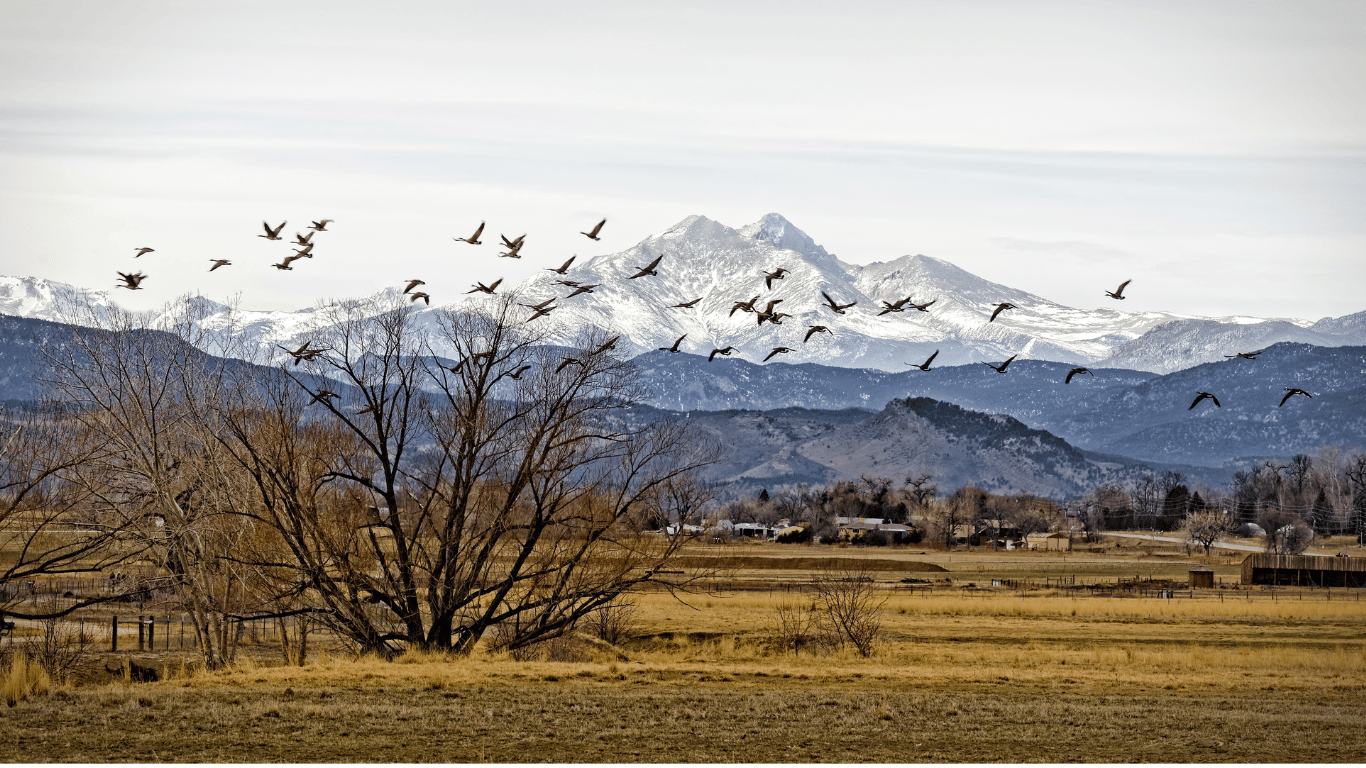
[{"x": 960, "y": 673}]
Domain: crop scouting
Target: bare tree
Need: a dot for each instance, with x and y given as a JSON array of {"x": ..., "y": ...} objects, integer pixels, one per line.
[
  {"x": 1286, "y": 532},
  {"x": 1206, "y": 528},
  {"x": 428, "y": 502}
]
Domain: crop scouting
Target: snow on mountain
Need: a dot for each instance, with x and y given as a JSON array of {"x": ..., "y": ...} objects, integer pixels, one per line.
[
  {"x": 46, "y": 299},
  {"x": 719, "y": 266}
]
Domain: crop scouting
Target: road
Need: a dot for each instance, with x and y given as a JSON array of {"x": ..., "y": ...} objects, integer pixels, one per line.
[{"x": 1179, "y": 540}]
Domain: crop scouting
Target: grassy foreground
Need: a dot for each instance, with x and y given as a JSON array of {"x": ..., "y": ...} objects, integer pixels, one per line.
[{"x": 1046, "y": 679}]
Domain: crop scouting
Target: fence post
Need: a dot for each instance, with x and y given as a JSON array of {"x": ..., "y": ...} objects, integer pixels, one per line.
[
  {"x": 114, "y": 635},
  {"x": 182, "y": 631},
  {"x": 142, "y": 632},
  {"x": 151, "y": 633}
]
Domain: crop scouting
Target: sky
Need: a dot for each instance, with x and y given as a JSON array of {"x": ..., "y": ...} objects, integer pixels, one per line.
[{"x": 1212, "y": 152}]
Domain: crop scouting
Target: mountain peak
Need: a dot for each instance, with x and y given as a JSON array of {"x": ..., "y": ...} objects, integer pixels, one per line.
[{"x": 773, "y": 228}]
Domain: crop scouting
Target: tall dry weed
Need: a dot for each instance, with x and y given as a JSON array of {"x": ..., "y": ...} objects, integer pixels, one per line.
[{"x": 24, "y": 679}]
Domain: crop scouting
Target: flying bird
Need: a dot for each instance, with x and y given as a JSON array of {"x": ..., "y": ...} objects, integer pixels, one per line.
[
  {"x": 583, "y": 289},
  {"x": 539, "y": 313},
  {"x": 1202, "y": 396},
  {"x": 747, "y": 306},
  {"x": 420, "y": 295},
  {"x": 132, "y": 282},
  {"x": 301, "y": 240},
  {"x": 563, "y": 268},
  {"x": 569, "y": 361},
  {"x": 481, "y": 288},
  {"x": 647, "y": 270},
  {"x": 775, "y": 318},
  {"x": 1001, "y": 308},
  {"x": 513, "y": 243},
  {"x": 369, "y": 408},
  {"x": 1003, "y": 366},
  {"x": 219, "y": 263},
  {"x": 725, "y": 352},
  {"x": 686, "y": 304},
  {"x": 413, "y": 284},
  {"x": 570, "y": 283},
  {"x": 323, "y": 394},
  {"x": 472, "y": 239},
  {"x": 320, "y": 226},
  {"x": 285, "y": 264},
  {"x": 674, "y": 348},
  {"x": 1291, "y": 392},
  {"x": 273, "y": 234},
  {"x": 836, "y": 308},
  {"x": 1247, "y": 355},
  {"x": 594, "y": 234},
  {"x": 307, "y": 252},
  {"x": 514, "y": 252},
  {"x": 611, "y": 344},
  {"x": 542, "y": 305},
  {"x": 1076, "y": 371},
  {"x": 150, "y": 250},
  {"x": 922, "y": 307},
  {"x": 303, "y": 352},
  {"x": 816, "y": 329},
  {"x": 897, "y": 307},
  {"x": 925, "y": 366},
  {"x": 776, "y": 274},
  {"x": 1119, "y": 292},
  {"x": 767, "y": 312},
  {"x": 777, "y": 351},
  {"x": 517, "y": 374}
]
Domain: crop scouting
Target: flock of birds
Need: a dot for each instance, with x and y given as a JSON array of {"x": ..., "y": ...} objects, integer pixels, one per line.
[{"x": 767, "y": 314}]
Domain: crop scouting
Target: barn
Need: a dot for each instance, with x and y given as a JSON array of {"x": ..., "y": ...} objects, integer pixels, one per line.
[{"x": 1305, "y": 571}]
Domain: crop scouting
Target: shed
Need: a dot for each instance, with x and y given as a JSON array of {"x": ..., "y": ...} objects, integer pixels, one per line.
[
  {"x": 1308, "y": 571},
  {"x": 1057, "y": 542},
  {"x": 1201, "y": 578}
]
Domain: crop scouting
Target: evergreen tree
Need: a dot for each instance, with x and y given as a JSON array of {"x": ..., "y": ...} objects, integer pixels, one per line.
[{"x": 1321, "y": 518}]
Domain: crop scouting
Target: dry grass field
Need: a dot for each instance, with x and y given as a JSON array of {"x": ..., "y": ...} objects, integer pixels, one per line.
[{"x": 959, "y": 674}]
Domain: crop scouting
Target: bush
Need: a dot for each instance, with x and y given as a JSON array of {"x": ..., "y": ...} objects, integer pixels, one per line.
[{"x": 24, "y": 679}]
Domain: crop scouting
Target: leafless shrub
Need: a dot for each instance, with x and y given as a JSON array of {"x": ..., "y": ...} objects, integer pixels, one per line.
[
  {"x": 63, "y": 648},
  {"x": 799, "y": 624},
  {"x": 852, "y": 605},
  {"x": 614, "y": 623}
]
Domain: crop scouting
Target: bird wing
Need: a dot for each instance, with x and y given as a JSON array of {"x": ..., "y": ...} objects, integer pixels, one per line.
[
  {"x": 999, "y": 308},
  {"x": 1120, "y": 289},
  {"x": 1070, "y": 374},
  {"x": 597, "y": 229},
  {"x": 1007, "y": 362},
  {"x": 829, "y": 300},
  {"x": 808, "y": 335},
  {"x": 1288, "y": 394}
]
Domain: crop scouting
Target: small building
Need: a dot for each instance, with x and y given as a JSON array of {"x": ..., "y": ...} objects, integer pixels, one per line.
[
  {"x": 1305, "y": 571},
  {"x": 1053, "y": 542},
  {"x": 1201, "y": 578}
]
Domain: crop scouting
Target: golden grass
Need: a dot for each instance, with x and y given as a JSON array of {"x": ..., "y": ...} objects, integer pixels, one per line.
[{"x": 24, "y": 679}]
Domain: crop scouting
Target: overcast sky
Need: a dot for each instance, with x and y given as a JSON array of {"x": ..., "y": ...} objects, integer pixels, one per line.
[{"x": 1213, "y": 152}]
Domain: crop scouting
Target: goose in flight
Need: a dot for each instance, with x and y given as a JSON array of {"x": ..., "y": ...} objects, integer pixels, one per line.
[
  {"x": 1075, "y": 372},
  {"x": 563, "y": 268},
  {"x": 816, "y": 329},
  {"x": 1003, "y": 366},
  {"x": 320, "y": 226},
  {"x": 420, "y": 295},
  {"x": 517, "y": 374},
  {"x": 649, "y": 269},
  {"x": 323, "y": 395},
  {"x": 897, "y": 307},
  {"x": 611, "y": 344},
  {"x": 481, "y": 288},
  {"x": 132, "y": 282},
  {"x": 594, "y": 234},
  {"x": 925, "y": 366},
  {"x": 1291, "y": 392},
  {"x": 583, "y": 289},
  {"x": 777, "y": 351},
  {"x": 674, "y": 348},
  {"x": 776, "y": 274},
  {"x": 747, "y": 306},
  {"x": 307, "y": 252},
  {"x": 1247, "y": 355},
  {"x": 301, "y": 240},
  {"x": 150, "y": 250},
  {"x": 687, "y": 304},
  {"x": 726, "y": 352},
  {"x": 369, "y": 408},
  {"x": 922, "y": 307},
  {"x": 542, "y": 305},
  {"x": 539, "y": 313},
  {"x": 303, "y": 352},
  {"x": 567, "y": 362},
  {"x": 767, "y": 312},
  {"x": 1202, "y": 396},
  {"x": 513, "y": 243},
  {"x": 1001, "y": 308},
  {"x": 472, "y": 239},
  {"x": 514, "y": 252},
  {"x": 219, "y": 263},
  {"x": 273, "y": 234},
  {"x": 413, "y": 284},
  {"x": 1119, "y": 292},
  {"x": 570, "y": 283},
  {"x": 836, "y": 308},
  {"x": 776, "y": 318},
  {"x": 285, "y": 264}
]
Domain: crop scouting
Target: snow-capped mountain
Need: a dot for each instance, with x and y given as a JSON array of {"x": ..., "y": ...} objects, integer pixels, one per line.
[{"x": 704, "y": 260}]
